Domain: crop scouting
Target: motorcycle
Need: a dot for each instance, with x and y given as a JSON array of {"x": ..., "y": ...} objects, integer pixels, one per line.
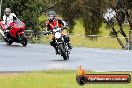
[
  {"x": 61, "y": 43},
  {"x": 11, "y": 34}
]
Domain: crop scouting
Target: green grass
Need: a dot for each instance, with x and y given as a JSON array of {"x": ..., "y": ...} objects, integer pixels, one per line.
[
  {"x": 52, "y": 79},
  {"x": 101, "y": 42}
]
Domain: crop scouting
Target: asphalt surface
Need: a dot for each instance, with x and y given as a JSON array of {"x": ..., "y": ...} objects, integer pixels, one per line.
[{"x": 42, "y": 57}]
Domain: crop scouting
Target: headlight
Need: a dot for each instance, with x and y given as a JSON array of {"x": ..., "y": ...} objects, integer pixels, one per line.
[
  {"x": 57, "y": 35},
  {"x": 56, "y": 30}
]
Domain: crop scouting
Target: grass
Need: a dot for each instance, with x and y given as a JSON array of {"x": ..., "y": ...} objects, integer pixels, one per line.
[
  {"x": 52, "y": 79},
  {"x": 100, "y": 42}
]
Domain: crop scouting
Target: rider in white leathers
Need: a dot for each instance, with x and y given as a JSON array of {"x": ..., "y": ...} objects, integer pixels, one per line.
[{"x": 7, "y": 19}]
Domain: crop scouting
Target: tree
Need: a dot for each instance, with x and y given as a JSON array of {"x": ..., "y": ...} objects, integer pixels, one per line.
[
  {"x": 27, "y": 10},
  {"x": 90, "y": 12},
  {"x": 121, "y": 7}
]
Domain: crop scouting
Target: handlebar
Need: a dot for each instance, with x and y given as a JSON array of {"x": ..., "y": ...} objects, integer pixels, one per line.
[
  {"x": 47, "y": 32},
  {"x": 50, "y": 32}
]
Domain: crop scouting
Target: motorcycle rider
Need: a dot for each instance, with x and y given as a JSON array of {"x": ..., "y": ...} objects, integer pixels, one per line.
[
  {"x": 8, "y": 18},
  {"x": 52, "y": 21}
]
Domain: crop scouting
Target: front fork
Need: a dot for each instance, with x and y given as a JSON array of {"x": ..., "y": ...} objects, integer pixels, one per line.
[
  {"x": 57, "y": 46},
  {"x": 65, "y": 46}
]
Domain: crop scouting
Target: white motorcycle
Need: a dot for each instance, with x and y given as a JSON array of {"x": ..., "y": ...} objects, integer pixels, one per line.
[{"x": 61, "y": 43}]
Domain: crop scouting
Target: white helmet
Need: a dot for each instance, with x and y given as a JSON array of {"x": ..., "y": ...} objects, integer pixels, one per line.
[
  {"x": 52, "y": 13},
  {"x": 7, "y": 11}
]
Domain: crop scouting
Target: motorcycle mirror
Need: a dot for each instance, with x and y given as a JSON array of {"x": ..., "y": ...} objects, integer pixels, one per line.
[{"x": 14, "y": 18}]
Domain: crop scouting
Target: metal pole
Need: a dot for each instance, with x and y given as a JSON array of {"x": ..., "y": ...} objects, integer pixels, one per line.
[
  {"x": 129, "y": 41},
  {"x": 83, "y": 36},
  {"x": 0, "y": 7},
  {"x": 128, "y": 44}
]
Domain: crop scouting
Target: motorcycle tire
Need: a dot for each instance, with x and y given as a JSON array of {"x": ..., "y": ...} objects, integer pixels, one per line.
[
  {"x": 9, "y": 41},
  {"x": 24, "y": 40},
  {"x": 63, "y": 52}
]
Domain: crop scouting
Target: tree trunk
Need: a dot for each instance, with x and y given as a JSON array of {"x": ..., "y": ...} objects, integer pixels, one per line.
[
  {"x": 117, "y": 37},
  {"x": 116, "y": 34},
  {"x": 122, "y": 31}
]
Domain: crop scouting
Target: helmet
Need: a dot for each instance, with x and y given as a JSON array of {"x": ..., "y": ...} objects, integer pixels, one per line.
[
  {"x": 7, "y": 11},
  {"x": 51, "y": 15}
]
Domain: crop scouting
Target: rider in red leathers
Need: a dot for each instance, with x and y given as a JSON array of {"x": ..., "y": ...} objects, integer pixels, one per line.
[{"x": 54, "y": 21}]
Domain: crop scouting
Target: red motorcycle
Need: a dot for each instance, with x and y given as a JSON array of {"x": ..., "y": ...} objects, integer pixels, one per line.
[{"x": 15, "y": 33}]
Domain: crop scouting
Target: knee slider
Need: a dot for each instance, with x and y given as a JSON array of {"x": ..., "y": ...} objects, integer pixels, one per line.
[
  {"x": 51, "y": 43},
  {"x": 67, "y": 39}
]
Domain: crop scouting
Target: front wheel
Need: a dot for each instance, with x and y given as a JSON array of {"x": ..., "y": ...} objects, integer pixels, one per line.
[
  {"x": 23, "y": 40},
  {"x": 63, "y": 52}
]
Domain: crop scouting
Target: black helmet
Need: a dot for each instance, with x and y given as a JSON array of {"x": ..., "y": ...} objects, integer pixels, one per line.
[{"x": 52, "y": 13}]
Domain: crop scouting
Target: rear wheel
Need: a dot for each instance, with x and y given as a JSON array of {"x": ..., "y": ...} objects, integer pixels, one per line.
[
  {"x": 24, "y": 42},
  {"x": 9, "y": 41},
  {"x": 63, "y": 52}
]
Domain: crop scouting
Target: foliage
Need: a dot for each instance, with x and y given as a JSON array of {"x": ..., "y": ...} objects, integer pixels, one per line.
[
  {"x": 91, "y": 13},
  {"x": 26, "y": 10}
]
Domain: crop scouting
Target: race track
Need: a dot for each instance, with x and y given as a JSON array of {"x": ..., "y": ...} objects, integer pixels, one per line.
[{"x": 42, "y": 57}]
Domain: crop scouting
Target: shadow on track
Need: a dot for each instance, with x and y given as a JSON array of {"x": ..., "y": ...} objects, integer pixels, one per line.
[
  {"x": 60, "y": 60},
  {"x": 13, "y": 45}
]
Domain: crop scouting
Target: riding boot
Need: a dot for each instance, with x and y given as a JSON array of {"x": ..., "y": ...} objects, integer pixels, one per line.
[
  {"x": 69, "y": 45},
  {"x": 56, "y": 49},
  {"x": 52, "y": 43},
  {"x": 67, "y": 40}
]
